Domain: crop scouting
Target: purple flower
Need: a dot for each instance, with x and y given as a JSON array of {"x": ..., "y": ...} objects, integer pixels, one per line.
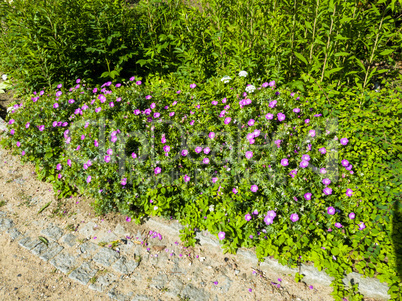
[
  {"x": 327, "y": 191},
  {"x": 107, "y": 159},
  {"x": 294, "y": 217},
  {"x": 307, "y": 120},
  {"x": 271, "y": 214},
  {"x": 345, "y": 163},
  {"x": 157, "y": 170},
  {"x": 307, "y": 196},
  {"x": 306, "y": 157},
  {"x": 247, "y": 217},
  {"x": 326, "y": 181},
  {"x": 227, "y": 120},
  {"x": 186, "y": 178},
  {"x": 214, "y": 102},
  {"x": 284, "y": 162},
  {"x": 349, "y": 167},
  {"x": 349, "y": 192},
  {"x": 221, "y": 236},
  {"x": 331, "y": 210},
  {"x": 268, "y": 220},
  {"x": 166, "y": 148},
  {"x": 184, "y": 152},
  {"x": 338, "y": 225},
  {"x": 249, "y": 154},
  {"x": 254, "y": 188},
  {"x": 138, "y": 82},
  {"x": 296, "y": 110},
  {"x": 192, "y": 86},
  {"x": 207, "y": 150},
  {"x": 322, "y": 170},
  {"x": 234, "y": 189},
  {"x": 216, "y": 179},
  {"x": 362, "y": 226},
  {"x": 89, "y": 179},
  {"x": 205, "y": 161},
  {"x": 211, "y": 135},
  {"x": 344, "y": 141},
  {"x": 251, "y": 122},
  {"x": 352, "y": 215},
  {"x": 272, "y": 104},
  {"x": 198, "y": 149},
  {"x": 281, "y": 117},
  {"x": 269, "y": 116},
  {"x": 322, "y": 150},
  {"x": 303, "y": 164}
]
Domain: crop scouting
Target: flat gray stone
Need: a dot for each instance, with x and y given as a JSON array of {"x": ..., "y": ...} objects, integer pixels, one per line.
[
  {"x": 47, "y": 252},
  {"x": 29, "y": 243},
  {"x": 142, "y": 298},
  {"x": 103, "y": 282},
  {"x": 105, "y": 236},
  {"x": 270, "y": 265},
  {"x": 19, "y": 181},
  {"x": 69, "y": 239},
  {"x": 63, "y": 261},
  {"x": 106, "y": 257},
  {"x": 87, "y": 230},
  {"x": 119, "y": 230},
  {"x": 14, "y": 233},
  {"x": 368, "y": 286},
  {"x": 314, "y": 276},
  {"x": 248, "y": 256},
  {"x": 159, "y": 281},
  {"x": 3, "y": 214},
  {"x": 136, "y": 277},
  {"x": 124, "y": 266},
  {"x": 195, "y": 293},
  {"x": 88, "y": 248},
  {"x": 5, "y": 223},
  {"x": 83, "y": 274},
  {"x": 174, "y": 288},
  {"x": 114, "y": 295},
  {"x": 52, "y": 232}
]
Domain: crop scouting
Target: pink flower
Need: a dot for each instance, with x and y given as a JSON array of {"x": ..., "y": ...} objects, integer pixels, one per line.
[
  {"x": 128, "y": 219},
  {"x": 157, "y": 170},
  {"x": 349, "y": 192},
  {"x": 249, "y": 154},
  {"x": 247, "y": 217},
  {"x": 294, "y": 217},
  {"x": 221, "y": 236}
]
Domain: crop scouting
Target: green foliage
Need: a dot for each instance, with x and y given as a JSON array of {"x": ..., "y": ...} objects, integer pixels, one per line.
[{"x": 325, "y": 49}]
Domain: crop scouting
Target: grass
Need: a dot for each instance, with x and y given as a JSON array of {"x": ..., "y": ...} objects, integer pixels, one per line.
[{"x": 2, "y": 203}]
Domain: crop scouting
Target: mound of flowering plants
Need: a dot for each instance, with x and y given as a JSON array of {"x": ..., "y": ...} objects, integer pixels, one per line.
[{"x": 257, "y": 167}]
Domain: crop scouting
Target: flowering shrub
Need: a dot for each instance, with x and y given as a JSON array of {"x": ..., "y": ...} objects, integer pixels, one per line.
[{"x": 257, "y": 168}]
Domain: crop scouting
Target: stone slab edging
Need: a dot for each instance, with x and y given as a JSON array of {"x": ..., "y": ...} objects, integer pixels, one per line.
[{"x": 369, "y": 287}]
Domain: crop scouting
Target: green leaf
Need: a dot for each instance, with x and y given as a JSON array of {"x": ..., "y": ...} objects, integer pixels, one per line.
[
  {"x": 335, "y": 251},
  {"x": 44, "y": 240},
  {"x": 387, "y": 51},
  {"x": 44, "y": 207},
  {"x": 300, "y": 57},
  {"x": 342, "y": 54}
]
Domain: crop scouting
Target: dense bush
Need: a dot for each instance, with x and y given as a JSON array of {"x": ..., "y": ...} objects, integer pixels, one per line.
[{"x": 333, "y": 41}]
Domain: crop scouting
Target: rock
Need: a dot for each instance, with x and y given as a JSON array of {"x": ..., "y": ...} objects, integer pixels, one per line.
[
  {"x": 124, "y": 266},
  {"x": 69, "y": 239},
  {"x": 103, "y": 282},
  {"x": 106, "y": 257},
  {"x": 5, "y": 223},
  {"x": 83, "y": 274},
  {"x": 29, "y": 243},
  {"x": 52, "y": 232},
  {"x": 159, "y": 281},
  {"x": 47, "y": 252},
  {"x": 194, "y": 293},
  {"x": 88, "y": 248},
  {"x": 63, "y": 261},
  {"x": 13, "y": 232}
]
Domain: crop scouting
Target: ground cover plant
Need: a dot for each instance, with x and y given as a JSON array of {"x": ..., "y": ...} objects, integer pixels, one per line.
[
  {"x": 265, "y": 171},
  {"x": 224, "y": 146}
]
